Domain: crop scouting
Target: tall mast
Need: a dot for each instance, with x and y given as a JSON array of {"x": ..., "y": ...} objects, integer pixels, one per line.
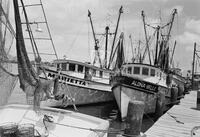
[
  {"x": 112, "y": 48},
  {"x": 147, "y": 43},
  {"x": 96, "y": 47},
  {"x": 106, "y": 46},
  {"x": 193, "y": 63},
  {"x": 170, "y": 27},
  {"x": 157, "y": 40},
  {"x": 173, "y": 52},
  {"x": 133, "y": 58}
]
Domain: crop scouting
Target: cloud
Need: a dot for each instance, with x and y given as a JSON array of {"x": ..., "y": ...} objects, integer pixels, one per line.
[
  {"x": 193, "y": 25},
  {"x": 188, "y": 38}
]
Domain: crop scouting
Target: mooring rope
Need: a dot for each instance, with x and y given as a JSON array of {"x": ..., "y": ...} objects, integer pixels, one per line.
[
  {"x": 175, "y": 118},
  {"x": 109, "y": 131}
]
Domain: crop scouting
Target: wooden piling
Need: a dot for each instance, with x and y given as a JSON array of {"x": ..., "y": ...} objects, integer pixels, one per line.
[
  {"x": 198, "y": 100},
  {"x": 180, "y": 91},
  {"x": 134, "y": 118},
  {"x": 174, "y": 95},
  {"x": 160, "y": 105}
]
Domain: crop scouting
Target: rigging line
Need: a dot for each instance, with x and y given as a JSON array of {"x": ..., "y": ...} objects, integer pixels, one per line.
[
  {"x": 7, "y": 71},
  {"x": 29, "y": 29},
  {"x": 48, "y": 29},
  {"x": 7, "y": 20},
  {"x": 82, "y": 128}
]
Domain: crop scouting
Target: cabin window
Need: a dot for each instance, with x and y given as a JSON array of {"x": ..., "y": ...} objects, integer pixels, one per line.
[
  {"x": 64, "y": 66},
  {"x": 100, "y": 74},
  {"x": 145, "y": 71},
  {"x": 80, "y": 69},
  {"x": 72, "y": 67},
  {"x": 129, "y": 70},
  {"x": 124, "y": 70},
  {"x": 58, "y": 66},
  {"x": 153, "y": 72},
  {"x": 136, "y": 70},
  {"x": 94, "y": 72}
]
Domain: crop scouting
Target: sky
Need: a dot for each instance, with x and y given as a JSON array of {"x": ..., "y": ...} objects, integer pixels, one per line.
[{"x": 72, "y": 35}]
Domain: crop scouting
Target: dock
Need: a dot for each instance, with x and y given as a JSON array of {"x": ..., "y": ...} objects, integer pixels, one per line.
[{"x": 179, "y": 121}]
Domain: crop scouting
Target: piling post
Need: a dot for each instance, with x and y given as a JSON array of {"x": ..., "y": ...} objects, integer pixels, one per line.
[
  {"x": 160, "y": 105},
  {"x": 134, "y": 118},
  {"x": 180, "y": 91},
  {"x": 174, "y": 95},
  {"x": 198, "y": 99}
]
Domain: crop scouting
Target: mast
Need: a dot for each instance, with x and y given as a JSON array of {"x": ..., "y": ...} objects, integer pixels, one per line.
[
  {"x": 157, "y": 40},
  {"x": 170, "y": 27},
  {"x": 147, "y": 43},
  {"x": 95, "y": 40},
  {"x": 193, "y": 63},
  {"x": 132, "y": 48},
  {"x": 173, "y": 52},
  {"x": 112, "y": 48},
  {"x": 106, "y": 46}
]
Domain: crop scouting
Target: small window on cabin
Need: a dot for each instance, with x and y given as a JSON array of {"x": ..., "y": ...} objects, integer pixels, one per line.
[
  {"x": 129, "y": 70},
  {"x": 58, "y": 66},
  {"x": 145, "y": 71},
  {"x": 80, "y": 68},
  {"x": 153, "y": 72},
  {"x": 94, "y": 72},
  {"x": 136, "y": 70},
  {"x": 100, "y": 74},
  {"x": 64, "y": 66},
  {"x": 72, "y": 67},
  {"x": 124, "y": 70}
]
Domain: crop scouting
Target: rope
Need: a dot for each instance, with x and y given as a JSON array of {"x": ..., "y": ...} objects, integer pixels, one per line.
[
  {"x": 70, "y": 94},
  {"x": 193, "y": 130},
  {"x": 175, "y": 118},
  {"x": 14, "y": 75}
]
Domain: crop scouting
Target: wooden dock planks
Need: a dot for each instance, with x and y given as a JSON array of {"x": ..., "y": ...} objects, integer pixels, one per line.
[{"x": 179, "y": 120}]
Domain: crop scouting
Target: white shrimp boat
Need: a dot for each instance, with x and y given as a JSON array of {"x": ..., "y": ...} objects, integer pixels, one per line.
[{"x": 24, "y": 121}]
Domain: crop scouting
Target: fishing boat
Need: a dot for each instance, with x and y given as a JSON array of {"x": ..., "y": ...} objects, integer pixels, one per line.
[
  {"x": 83, "y": 83},
  {"x": 178, "y": 80},
  {"x": 36, "y": 121},
  {"x": 147, "y": 82}
]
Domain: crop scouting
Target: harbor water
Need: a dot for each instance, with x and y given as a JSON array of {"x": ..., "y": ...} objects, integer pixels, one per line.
[{"x": 109, "y": 111}]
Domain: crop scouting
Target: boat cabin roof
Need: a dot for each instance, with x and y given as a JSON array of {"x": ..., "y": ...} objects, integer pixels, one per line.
[{"x": 84, "y": 64}]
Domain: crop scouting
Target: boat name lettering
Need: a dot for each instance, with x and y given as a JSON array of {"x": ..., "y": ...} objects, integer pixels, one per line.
[
  {"x": 67, "y": 79},
  {"x": 138, "y": 84},
  {"x": 144, "y": 85}
]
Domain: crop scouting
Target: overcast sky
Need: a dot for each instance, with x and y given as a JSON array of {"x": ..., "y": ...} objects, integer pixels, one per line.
[{"x": 71, "y": 30}]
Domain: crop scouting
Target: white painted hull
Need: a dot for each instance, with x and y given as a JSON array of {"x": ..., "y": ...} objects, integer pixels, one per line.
[
  {"x": 82, "y": 91},
  {"x": 65, "y": 123}
]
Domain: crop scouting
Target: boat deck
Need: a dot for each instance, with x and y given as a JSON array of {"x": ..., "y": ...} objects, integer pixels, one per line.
[{"x": 179, "y": 120}]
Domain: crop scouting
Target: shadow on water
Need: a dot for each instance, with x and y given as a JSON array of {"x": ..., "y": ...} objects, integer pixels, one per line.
[{"x": 109, "y": 111}]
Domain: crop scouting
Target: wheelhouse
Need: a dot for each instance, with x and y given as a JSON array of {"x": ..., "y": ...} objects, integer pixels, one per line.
[
  {"x": 70, "y": 66},
  {"x": 143, "y": 71}
]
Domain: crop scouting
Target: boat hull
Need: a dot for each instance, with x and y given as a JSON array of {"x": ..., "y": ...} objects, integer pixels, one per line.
[
  {"x": 126, "y": 89},
  {"x": 79, "y": 91},
  {"x": 63, "y": 122}
]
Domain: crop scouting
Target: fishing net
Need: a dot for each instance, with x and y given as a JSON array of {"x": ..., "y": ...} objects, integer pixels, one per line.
[
  {"x": 14, "y": 130},
  {"x": 25, "y": 130},
  {"x": 8, "y": 130},
  {"x": 28, "y": 78},
  {"x": 7, "y": 78}
]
